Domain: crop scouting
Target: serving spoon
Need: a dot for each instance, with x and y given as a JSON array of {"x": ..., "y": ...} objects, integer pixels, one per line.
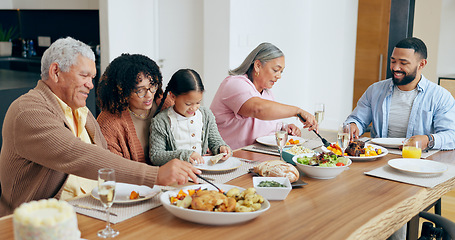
[{"x": 324, "y": 141}]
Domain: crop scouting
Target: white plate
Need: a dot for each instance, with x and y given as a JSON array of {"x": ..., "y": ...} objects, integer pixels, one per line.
[
  {"x": 207, "y": 217},
  {"x": 123, "y": 192},
  {"x": 389, "y": 142},
  {"x": 371, "y": 158},
  {"x": 271, "y": 141},
  {"x": 418, "y": 166},
  {"x": 230, "y": 164}
]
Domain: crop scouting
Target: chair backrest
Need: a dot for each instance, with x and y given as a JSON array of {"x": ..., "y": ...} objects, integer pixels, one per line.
[
  {"x": 444, "y": 227},
  {"x": 448, "y": 83}
]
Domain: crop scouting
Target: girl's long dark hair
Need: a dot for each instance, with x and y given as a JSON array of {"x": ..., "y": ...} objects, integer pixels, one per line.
[{"x": 182, "y": 82}]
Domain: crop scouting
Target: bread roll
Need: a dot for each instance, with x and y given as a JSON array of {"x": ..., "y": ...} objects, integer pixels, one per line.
[{"x": 277, "y": 168}]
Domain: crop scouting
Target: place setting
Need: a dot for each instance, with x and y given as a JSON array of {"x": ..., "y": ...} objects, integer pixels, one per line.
[
  {"x": 123, "y": 200},
  {"x": 223, "y": 171},
  {"x": 393, "y": 146},
  {"x": 412, "y": 169},
  {"x": 274, "y": 144}
]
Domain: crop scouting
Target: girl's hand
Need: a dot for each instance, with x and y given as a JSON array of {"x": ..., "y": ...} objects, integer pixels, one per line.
[
  {"x": 294, "y": 130},
  {"x": 227, "y": 150},
  {"x": 196, "y": 158}
]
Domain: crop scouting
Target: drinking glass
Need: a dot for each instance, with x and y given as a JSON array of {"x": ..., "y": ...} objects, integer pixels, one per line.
[
  {"x": 344, "y": 136},
  {"x": 412, "y": 148},
  {"x": 319, "y": 109},
  {"x": 106, "y": 192},
  {"x": 281, "y": 136}
]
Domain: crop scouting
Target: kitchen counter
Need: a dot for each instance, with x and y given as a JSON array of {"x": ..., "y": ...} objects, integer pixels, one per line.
[{"x": 10, "y": 79}]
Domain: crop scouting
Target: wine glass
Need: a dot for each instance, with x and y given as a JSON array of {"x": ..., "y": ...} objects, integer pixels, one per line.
[
  {"x": 281, "y": 136},
  {"x": 319, "y": 109},
  {"x": 106, "y": 192},
  {"x": 344, "y": 136}
]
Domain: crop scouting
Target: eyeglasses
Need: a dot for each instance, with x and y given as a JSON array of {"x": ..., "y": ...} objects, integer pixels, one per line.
[{"x": 141, "y": 92}]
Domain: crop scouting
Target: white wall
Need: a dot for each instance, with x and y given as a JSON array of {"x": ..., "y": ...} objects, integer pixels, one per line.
[
  {"x": 216, "y": 46},
  {"x": 446, "y": 54},
  {"x": 53, "y": 4},
  {"x": 6, "y": 4},
  {"x": 180, "y": 32},
  {"x": 127, "y": 27},
  {"x": 427, "y": 28},
  {"x": 318, "y": 42}
]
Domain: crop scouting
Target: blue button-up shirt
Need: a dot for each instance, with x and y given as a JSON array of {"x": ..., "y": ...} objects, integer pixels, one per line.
[{"x": 433, "y": 112}]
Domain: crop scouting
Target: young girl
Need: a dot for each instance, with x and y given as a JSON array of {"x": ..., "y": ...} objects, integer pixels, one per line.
[{"x": 187, "y": 129}]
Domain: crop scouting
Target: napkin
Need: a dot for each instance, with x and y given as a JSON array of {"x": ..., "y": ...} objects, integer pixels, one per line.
[
  {"x": 124, "y": 211},
  {"x": 430, "y": 181}
]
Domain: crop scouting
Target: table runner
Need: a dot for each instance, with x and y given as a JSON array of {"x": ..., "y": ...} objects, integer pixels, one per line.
[
  {"x": 124, "y": 210},
  {"x": 390, "y": 173}
]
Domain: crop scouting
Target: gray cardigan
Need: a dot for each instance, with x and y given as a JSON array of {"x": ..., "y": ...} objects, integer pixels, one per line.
[{"x": 162, "y": 142}]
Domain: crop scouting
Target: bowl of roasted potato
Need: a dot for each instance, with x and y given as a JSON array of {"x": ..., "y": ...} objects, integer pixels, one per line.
[{"x": 204, "y": 204}]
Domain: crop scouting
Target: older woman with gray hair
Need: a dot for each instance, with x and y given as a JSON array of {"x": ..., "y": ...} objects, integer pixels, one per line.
[{"x": 244, "y": 105}]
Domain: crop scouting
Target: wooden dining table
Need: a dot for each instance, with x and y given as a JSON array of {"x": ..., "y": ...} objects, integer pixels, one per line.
[{"x": 350, "y": 206}]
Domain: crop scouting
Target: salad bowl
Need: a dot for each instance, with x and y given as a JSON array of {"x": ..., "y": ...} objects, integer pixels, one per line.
[{"x": 320, "y": 172}]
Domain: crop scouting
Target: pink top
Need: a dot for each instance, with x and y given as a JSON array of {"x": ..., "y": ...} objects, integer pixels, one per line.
[{"x": 238, "y": 131}]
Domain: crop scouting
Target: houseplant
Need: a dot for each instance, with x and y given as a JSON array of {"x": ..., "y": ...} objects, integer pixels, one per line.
[{"x": 6, "y": 35}]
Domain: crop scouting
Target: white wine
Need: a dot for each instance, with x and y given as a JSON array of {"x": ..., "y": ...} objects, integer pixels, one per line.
[
  {"x": 319, "y": 115},
  {"x": 107, "y": 193},
  {"x": 281, "y": 138},
  {"x": 343, "y": 140}
]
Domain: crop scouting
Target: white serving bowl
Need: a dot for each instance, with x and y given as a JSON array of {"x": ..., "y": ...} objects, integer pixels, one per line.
[
  {"x": 320, "y": 172},
  {"x": 206, "y": 217},
  {"x": 273, "y": 193}
]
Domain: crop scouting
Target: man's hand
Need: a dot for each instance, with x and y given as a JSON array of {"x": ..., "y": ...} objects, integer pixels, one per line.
[
  {"x": 354, "y": 131},
  {"x": 423, "y": 139},
  {"x": 176, "y": 171}
]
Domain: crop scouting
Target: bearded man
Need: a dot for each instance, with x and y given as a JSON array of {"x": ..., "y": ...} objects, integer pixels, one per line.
[{"x": 407, "y": 105}]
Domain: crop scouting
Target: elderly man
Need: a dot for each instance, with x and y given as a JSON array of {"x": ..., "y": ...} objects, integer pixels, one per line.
[
  {"x": 408, "y": 104},
  {"x": 49, "y": 133}
]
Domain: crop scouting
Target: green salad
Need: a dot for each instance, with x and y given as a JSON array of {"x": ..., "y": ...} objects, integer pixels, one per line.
[{"x": 323, "y": 160}]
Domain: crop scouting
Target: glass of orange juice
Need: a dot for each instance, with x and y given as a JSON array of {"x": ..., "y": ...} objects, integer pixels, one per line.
[{"x": 412, "y": 148}]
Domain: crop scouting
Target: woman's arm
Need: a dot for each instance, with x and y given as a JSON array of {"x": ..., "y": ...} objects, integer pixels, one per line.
[{"x": 263, "y": 109}]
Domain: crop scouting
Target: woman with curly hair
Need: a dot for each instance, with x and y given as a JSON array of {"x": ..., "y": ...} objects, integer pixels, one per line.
[{"x": 127, "y": 95}]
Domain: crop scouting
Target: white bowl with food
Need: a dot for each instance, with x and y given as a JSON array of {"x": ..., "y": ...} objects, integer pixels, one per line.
[
  {"x": 272, "y": 188},
  {"x": 324, "y": 170},
  {"x": 210, "y": 217}
]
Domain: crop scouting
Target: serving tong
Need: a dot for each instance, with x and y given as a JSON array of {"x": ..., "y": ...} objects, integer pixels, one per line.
[
  {"x": 219, "y": 189},
  {"x": 324, "y": 141}
]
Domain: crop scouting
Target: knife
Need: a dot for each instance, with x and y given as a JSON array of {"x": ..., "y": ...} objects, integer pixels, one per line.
[
  {"x": 326, "y": 143},
  {"x": 94, "y": 209}
]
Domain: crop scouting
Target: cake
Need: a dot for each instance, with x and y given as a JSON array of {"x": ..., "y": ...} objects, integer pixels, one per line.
[{"x": 48, "y": 219}]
